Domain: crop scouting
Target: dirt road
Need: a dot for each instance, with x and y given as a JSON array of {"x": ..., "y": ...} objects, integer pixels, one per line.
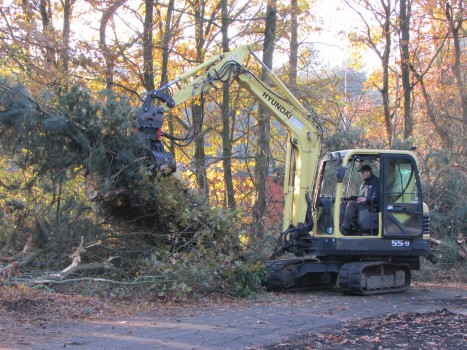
[{"x": 238, "y": 325}]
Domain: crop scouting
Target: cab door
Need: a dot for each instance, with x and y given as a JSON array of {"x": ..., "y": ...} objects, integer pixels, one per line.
[{"x": 402, "y": 206}]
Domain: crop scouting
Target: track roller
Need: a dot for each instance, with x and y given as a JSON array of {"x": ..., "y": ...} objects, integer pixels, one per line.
[
  {"x": 374, "y": 277},
  {"x": 298, "y": 275}
]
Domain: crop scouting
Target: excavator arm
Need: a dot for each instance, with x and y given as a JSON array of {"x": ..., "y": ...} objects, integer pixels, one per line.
[{"x": 304, "y": 131}]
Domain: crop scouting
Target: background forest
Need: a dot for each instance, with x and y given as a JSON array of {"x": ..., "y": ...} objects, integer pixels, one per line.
[{"x": 74, "y": 185}]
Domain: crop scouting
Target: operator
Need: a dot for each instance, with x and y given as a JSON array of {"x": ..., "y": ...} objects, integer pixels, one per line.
[{"x": 368, "y": 197}]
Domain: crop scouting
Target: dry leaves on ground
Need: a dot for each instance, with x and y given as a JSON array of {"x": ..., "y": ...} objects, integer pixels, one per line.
[
  {"x": 441, "y": 329},
  {"x": 27, "y": 305}
]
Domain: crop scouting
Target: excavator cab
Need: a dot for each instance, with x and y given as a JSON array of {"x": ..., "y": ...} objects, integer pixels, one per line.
[
  {"x": 385, "y": 242},
  {"x": 396, "y": 212},
  {"x": 347, "y": 181}
]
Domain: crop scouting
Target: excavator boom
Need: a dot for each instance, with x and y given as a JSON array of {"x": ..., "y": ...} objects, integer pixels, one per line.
[{"x": 305, "y": 134}]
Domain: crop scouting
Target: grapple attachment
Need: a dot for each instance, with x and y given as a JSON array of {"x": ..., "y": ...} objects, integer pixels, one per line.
[{"x": 150, "y": 121}]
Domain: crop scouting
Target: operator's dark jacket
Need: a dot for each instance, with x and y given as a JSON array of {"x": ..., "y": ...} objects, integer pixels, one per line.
[{"x": 370, "y": 190}]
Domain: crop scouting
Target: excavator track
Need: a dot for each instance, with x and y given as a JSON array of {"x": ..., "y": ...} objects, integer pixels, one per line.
[
  {"x": 294, "y": 275},
  {"x": 375, "y": 277}
]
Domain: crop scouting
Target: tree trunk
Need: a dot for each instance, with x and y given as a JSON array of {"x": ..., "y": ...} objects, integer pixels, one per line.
[
  {"x": 148, "y": 46},
  {"x": 293, "y": 58},
  {"x": 456, "y": 25},
  {"x": 431, "y": 112},
  {"x": 405, "y": 12},
  {"x": 383, "y": 17},
  {"x": 65, "y": 52},
  {"x": 264, "y": 127},
  {"x": 226, "y": 117},
  {"x": 203, "y": 27},
  {"x": 109, "y": 56},
  {"x": 166, "y": 38},
  {"x": 47, "y": 26},
  {"x": 200, "y": 155},
  {"x": 385, "y": 65}
]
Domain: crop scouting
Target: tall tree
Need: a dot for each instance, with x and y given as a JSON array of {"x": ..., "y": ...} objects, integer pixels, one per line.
[
  {"x": 65, "y": 51},
  {"x": 166, "y": 44},
  {"x": 204, "y": 26},
  {"x": 30, "y": 44},
  {"x": 148, "y": 46},
  {"x": 379, "y": 40},
  {"x": 293, "y": 57},
  {"x": 423, "y": 66},
  {"x": 108, "y": 53},
  {"x": 264, "y": 125},
  {"x": 45, "y": 11},
  {"x": 227, "y": 116},
  {"x": 456, "y": 28},
  {"x": 404, "y": 25},
  {"x": 167, "y": 38}
]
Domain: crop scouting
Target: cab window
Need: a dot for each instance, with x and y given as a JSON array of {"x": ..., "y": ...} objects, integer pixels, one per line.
[{"x": 402, "y": 185}]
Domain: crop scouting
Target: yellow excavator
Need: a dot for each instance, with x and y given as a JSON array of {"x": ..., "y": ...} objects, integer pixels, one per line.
[{"x": 386, "y": 237}]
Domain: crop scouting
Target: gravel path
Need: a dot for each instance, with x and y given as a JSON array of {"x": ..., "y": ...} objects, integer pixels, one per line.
[{"x": 315, "y": 320}]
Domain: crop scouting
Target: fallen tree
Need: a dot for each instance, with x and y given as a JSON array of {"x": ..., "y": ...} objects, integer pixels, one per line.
[{"x": 88, "y": 189}]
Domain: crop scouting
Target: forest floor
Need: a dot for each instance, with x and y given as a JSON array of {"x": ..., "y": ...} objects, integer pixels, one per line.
[{"x": 428, "y": 316}]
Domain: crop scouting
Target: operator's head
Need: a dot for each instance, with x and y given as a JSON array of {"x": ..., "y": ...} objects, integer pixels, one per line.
[{"x": 365, "y": 171}]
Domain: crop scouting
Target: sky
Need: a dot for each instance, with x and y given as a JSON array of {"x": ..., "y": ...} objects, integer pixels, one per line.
[{"x": 334, "y": 48}]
